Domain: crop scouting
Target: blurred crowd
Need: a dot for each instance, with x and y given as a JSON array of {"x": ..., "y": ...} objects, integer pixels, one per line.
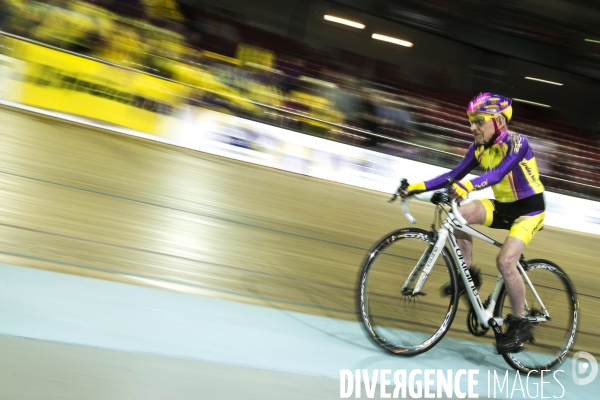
[{"x": 242, "y": 70}]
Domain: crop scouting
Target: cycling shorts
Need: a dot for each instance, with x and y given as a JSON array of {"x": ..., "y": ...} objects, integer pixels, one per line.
[{"x": 523, "y": 218}]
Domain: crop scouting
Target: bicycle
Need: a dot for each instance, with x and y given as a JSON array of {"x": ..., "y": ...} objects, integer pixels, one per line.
[{"x": 404, "y": 311}]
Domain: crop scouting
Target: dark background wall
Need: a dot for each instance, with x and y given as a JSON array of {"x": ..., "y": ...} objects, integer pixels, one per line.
[{"x": 470, "y": 46}]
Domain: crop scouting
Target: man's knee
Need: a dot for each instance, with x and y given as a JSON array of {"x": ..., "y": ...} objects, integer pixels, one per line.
[
  {"x": 473, "y": 212},
  {"x": 509, "y": 256},
  {"x": 504, "y": 262}
]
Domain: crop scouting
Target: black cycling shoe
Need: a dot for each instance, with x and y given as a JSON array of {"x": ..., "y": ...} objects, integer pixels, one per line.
[
  {"x": 519, "y": 331},
  {"x": 475, "y": 275}
]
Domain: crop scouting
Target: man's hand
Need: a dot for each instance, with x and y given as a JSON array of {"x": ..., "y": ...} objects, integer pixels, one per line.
[
  {"x": 413, "y": 188},
  {"x": 460, "y": 190}
]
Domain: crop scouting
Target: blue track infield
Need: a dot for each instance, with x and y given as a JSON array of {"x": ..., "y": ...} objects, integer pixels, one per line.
[{"x": 63, "y": 308}]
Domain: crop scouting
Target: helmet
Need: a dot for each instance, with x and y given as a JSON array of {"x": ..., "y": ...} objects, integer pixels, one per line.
[{"x": 489, "y": 103}]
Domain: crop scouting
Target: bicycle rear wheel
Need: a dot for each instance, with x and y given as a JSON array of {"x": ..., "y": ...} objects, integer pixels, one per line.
[
  {"x": 398, "y": 320},
  {"x": 552, "y": 338}
]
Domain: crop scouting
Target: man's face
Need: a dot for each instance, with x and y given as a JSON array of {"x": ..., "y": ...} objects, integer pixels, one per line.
[{"x": 482, "y": 128}]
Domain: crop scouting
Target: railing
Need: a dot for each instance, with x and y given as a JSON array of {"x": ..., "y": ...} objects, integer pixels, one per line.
[{"x": 295, "y": 120}]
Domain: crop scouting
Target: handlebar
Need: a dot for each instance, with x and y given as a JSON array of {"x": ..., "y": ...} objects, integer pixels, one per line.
[
  {"x": 457, "y": 213},
  {"x": 433, "y": 197},
  {"x": 449, "y": 182},
  {"x": 426, "y": 197}
]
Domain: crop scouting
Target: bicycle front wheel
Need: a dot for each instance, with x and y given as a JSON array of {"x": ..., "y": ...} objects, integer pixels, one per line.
[
  {"x": 399, "y": 320},
  {"x": 555, "y": 334}
]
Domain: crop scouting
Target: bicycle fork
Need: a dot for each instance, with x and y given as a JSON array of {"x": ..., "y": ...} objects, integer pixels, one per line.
[{"x": 425, "y": 265}]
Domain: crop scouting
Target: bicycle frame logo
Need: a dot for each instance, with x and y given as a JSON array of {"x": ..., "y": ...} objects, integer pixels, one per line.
[
  {"x": 463, "y": 266},
  {"x": 434, "y": 255}
]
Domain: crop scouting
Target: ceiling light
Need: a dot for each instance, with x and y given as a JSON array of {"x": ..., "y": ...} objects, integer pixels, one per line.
[
  {"x": 531, "y": 102},
  {"x": 344, "y": 21},
  {"x": 592, "y": 40},
  {"x": 392, "y": 40},
  {"x": 542, "y": 80}
]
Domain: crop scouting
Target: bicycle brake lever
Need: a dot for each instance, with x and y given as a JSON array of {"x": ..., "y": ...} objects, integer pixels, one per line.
[{"x": 403, "y": 185}]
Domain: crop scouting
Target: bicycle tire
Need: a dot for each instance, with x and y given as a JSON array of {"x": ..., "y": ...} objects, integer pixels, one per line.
[
  {"x": 552, "y": 339},
  {"x": 405, "y": 324}
]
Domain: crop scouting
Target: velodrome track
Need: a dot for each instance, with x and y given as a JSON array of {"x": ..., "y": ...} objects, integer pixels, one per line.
[{"x": 121, "y": 209}]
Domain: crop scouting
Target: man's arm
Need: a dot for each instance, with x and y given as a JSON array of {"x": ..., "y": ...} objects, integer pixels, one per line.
[
  {"x": 460, "y": 171},
  {"x": 516, "y": 153}
]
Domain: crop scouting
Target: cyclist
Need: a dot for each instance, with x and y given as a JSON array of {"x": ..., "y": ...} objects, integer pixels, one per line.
[{"x": 511, "y": 170}]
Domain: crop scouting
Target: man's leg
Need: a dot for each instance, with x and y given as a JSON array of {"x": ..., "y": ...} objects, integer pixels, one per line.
[
  {"x": 474, "y": 213},
  {"x": 519, "y": 330},
  {"x": 507, "y": 265}
]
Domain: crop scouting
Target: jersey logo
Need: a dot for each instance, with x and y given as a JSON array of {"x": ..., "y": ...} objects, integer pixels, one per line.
[
  {"x": 517, "y": 142},
  {"x": 481, "y": 185},
  {"x": 527, "y": 169}
]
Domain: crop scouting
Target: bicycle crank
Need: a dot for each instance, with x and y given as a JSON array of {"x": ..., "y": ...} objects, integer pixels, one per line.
[{"x": 474, "y": 326}]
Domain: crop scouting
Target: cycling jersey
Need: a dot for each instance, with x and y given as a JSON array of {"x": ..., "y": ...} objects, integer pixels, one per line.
[{"x": 509, "y": 165}]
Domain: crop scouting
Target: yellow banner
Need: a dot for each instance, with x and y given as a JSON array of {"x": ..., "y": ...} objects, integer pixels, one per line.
[{"x": 67, "y": 83}]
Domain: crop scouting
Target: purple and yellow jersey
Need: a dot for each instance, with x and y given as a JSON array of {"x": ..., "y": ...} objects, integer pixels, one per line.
[{"x": 509, "y": 165}]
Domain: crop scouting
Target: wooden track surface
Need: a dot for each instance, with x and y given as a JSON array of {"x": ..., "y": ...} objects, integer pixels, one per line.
[{"x": 102, "y": 205}]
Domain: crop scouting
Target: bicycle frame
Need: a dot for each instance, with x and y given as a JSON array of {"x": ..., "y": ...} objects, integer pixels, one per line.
[{"x": 485, "y": 314}]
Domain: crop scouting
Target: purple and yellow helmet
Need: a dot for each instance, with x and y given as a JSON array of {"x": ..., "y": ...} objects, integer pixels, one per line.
[{"x": 489, "y": 103}]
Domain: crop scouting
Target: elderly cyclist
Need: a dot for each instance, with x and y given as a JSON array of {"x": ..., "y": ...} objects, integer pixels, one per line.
[{"x": 511, "y": 170}]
